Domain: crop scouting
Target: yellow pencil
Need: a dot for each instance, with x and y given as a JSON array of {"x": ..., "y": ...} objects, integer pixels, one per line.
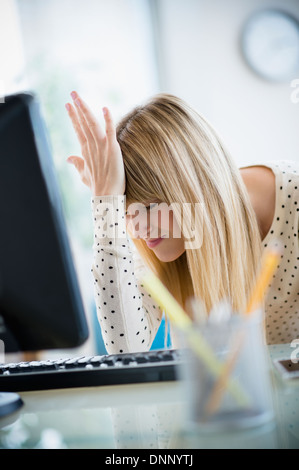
[
  {"x": 269, "y": 265},
  {"x": 197, "y": 343}
]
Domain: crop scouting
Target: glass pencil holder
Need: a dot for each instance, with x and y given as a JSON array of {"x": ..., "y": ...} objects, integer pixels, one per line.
[{"x": 236, "y": 392}]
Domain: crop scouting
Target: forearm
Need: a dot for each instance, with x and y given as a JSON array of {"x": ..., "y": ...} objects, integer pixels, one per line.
[{"x": 128, "y": 317}]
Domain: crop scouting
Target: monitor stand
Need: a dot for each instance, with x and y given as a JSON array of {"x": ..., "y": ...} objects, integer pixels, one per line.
[{"x": 9, "y": 402}]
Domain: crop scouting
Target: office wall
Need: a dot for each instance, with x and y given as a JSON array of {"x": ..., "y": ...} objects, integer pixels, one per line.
[
  {"x": 199, "y": 57},
  {"x": 201, "y": 61},
  {"x": 11, "y": 49}
]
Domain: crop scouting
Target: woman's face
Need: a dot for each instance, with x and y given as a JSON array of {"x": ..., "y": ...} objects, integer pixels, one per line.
[{"x": 154, "y": 222}]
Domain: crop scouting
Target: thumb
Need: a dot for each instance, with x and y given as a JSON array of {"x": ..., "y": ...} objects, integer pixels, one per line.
[{"x": 77, "y": 161}]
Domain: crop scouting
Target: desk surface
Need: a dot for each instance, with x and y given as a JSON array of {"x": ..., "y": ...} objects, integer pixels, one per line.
[{"x": 149, "y": 416}]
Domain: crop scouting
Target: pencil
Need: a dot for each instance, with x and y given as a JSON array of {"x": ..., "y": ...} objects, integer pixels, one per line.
[
  {"x": 196, "y": 341},
  {"x": 269, "y": 264},
  {"x": 268, "y": 267}
]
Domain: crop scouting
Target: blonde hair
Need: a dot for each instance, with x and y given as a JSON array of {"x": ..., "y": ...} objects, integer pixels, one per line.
[{"x": 173, "y": 154}]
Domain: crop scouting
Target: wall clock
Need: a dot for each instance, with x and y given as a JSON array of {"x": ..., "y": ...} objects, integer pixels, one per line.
[{"x": 270, "y": 44}]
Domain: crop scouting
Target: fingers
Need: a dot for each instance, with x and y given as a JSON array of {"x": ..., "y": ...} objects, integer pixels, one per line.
[
  {"x": 93, "y": 140},
  {"x": 81, "y": 119},
  {"x": 80, "y": 166},
  {"x": 110, "y": 129},
  {"x": 76, "y": 124},
  {"x": 77, "y": 162},
  {"x": 87, "y": 119},
  {"x": 86, "y": 124}
]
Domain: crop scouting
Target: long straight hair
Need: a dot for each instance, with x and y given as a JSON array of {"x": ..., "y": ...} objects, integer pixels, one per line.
[{"x": 172, "y": 154}]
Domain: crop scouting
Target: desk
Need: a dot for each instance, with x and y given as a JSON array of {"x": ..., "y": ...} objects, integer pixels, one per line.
[{"x": 150, "y": 416}]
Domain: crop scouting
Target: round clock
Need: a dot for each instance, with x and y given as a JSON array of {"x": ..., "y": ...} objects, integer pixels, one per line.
[{"x": 270, "y": 44}]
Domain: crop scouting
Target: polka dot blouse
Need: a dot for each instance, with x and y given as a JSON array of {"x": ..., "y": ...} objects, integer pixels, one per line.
[
  {"x": 282, "y": 302},
  {"x": 128, "y": 316}
]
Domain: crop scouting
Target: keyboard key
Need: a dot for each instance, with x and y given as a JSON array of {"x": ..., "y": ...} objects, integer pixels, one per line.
[
  {"x": 96, "y": 360},
  {"x": 154, "y": 359},
  {"x": 71, "y": 363},
  {"x": 84, "y": 360},
  {"x": 87, "y": 371},
  {"x": 127, "y": 360},
  {"x": 140, "y": 359}
]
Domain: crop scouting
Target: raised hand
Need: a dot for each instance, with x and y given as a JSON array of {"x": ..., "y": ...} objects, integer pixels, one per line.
[{"x": 101, "y": 167}]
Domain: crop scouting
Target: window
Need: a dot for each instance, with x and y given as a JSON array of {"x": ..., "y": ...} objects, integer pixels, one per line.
[{"x": 104, "y": 50}]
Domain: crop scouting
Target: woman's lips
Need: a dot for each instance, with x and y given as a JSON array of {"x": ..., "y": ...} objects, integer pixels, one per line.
[{"x": 154, "y": 242}]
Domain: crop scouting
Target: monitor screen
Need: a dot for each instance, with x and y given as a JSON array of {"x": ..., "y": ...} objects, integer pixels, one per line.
[{"x": 40, "y": 300}]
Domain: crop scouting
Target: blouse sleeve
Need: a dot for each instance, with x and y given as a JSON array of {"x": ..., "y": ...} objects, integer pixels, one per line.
[{"x": 128, "y": 316}]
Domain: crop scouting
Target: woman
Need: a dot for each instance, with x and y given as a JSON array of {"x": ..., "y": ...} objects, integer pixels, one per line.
[{"x": 164, "y": 152}]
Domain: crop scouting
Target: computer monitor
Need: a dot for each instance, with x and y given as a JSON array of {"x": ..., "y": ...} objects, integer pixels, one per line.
[{"x": 40, "y": 301}]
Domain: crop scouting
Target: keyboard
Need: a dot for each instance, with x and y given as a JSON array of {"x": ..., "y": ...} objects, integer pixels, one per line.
[{"x": 90, "y": 371}]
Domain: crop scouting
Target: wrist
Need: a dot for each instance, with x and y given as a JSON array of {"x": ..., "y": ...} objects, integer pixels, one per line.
[{"x": 107, "y": 192}]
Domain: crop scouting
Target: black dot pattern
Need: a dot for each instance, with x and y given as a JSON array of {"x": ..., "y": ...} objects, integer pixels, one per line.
[
  {"x": 282, "y": 302},
  {"x": 128, "y": 316}
]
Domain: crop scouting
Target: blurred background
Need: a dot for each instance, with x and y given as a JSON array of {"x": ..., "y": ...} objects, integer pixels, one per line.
[{"x": 236, "y": 62}]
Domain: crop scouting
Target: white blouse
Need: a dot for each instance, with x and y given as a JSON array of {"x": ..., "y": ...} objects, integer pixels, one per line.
[
  {"x": 282, "y": 301},
  {"x": 128, "y": 316}
]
